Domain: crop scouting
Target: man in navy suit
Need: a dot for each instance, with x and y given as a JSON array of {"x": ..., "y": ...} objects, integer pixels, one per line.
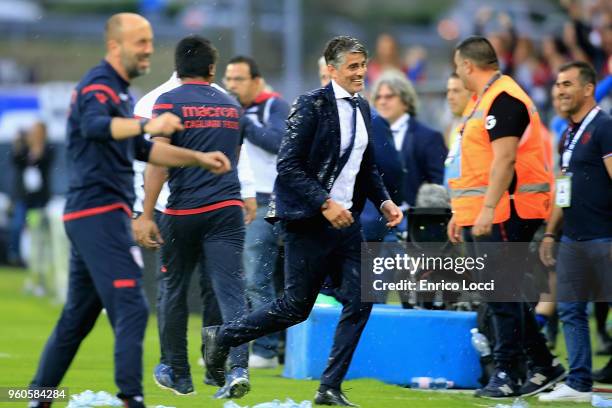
[{"x": 326, "y": 170}]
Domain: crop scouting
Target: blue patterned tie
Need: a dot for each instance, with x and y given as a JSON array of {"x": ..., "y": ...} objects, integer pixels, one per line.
[{"x": 345, "y": 156}]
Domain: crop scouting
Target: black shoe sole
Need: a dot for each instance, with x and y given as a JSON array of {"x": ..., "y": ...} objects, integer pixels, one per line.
[
  {"x": 330, "y": 404},
  {"x": 325, "y": 402},
  {"x": 491, "y": 397}
]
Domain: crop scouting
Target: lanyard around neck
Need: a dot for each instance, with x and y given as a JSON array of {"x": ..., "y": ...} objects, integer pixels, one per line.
[
  {"x": 571, "y": 145},
  {"x": 477, "y": 103}
]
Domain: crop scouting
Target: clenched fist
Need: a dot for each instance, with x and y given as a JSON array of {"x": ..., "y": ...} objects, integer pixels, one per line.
[
  {"x": 337, "y": 215},
  {"x": 164, "y": 125},
  {"x": 215, "y": 162}
]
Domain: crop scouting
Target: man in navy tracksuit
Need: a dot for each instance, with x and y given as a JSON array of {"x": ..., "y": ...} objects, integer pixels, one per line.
[
  {"x": 263, "y": 127},
  {"x": 105, "y": 268},
  {"x": 203, "y": 220}
]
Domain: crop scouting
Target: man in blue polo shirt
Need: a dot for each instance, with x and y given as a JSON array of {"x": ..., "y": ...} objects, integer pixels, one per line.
[
  {"x": 105, "y": 267},
  {"x": 584, "y": 211},
  {"x": 203, "y": 220}
]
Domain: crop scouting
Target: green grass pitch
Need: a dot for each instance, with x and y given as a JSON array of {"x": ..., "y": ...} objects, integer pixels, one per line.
[{"x": 26, "y": 322}]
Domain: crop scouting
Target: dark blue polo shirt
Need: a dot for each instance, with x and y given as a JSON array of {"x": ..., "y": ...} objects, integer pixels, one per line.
[
  {"x": 211, "y": 120},
  {"x": 590, "y": 214},
  {"x": 100, "y": 167}
]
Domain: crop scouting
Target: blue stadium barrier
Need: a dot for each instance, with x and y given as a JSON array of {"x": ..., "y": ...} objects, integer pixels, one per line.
[{"x": 397, "y": 344}]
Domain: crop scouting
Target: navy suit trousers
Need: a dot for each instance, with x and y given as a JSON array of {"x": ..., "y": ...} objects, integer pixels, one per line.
[{"x": 313, "y": 251}]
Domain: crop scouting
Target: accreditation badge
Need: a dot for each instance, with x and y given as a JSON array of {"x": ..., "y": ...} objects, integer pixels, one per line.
[
  {"x": 32, "y": 179},
  {"x": 563, "y": 191}
]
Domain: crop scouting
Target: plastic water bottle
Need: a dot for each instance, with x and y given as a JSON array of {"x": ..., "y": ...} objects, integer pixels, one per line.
[
  {"x": 428, "y": 383},
  {"x": 423, "y": 383},
  {"x": 480, "y": 343},
  {"x": 441, "y": 383}
]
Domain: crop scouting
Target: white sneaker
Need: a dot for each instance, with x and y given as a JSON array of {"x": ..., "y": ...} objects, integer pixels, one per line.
[
  {"x": 565, "y": 393},
  {"x": 256, "y": 361}
]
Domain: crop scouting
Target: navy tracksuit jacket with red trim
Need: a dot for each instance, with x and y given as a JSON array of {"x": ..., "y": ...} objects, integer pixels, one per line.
[{"x": 100, "y": 167}]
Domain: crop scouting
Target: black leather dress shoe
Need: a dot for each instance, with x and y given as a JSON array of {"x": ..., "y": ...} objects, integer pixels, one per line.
[
  {"x": 214, "y": 354},
  {"x": 209, "y": 380},
  {"x": 332, "y": 397}
]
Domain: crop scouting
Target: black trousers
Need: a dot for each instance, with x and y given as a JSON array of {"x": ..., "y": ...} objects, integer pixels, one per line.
[
  {"x": 211, "y": 314},
  {"x": 313, "y": 250},
  {"x": 215, "y": 240},
  {"x": 516, "y": 331}
]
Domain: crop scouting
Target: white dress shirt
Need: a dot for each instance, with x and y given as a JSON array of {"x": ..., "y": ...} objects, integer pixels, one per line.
[
  {"x": 344, "y": 186},
  {"x": 398, "y": 129},
  {"x": 144, "y": 109}
]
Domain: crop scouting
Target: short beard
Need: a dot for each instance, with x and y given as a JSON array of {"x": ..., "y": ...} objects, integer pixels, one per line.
[
  {"x": 135, "y": 72},
  {"x": 131, "y": 67}
]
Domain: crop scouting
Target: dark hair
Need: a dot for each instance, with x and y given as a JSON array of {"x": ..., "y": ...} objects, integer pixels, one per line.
[
  {"x": 253, "y": 67},
  {"x": 478, "y": 50},
  {"x": 586, "y": 72},
  {"x": 337, "y": 48},
  {"x": 194, "y": 56}
]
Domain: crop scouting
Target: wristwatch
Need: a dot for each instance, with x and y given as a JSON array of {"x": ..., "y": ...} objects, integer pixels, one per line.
[{"x": 143, "y": 124}]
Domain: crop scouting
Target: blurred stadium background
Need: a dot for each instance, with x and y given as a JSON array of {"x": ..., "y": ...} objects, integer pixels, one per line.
[{"x": 46, "y": 45}]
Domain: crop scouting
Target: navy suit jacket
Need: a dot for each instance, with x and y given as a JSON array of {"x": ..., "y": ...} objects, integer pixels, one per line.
[
  {"x": 308, "y": 159},
  {"x": 420, "y": 160}
]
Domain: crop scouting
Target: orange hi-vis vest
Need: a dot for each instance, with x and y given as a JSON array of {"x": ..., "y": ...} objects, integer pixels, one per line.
[{"x": 532, "y": 197}]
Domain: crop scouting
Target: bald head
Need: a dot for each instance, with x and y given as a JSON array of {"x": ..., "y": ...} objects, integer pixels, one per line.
[
  {"x": 129, "y": 44},
  {"x": 119, "y": 23}
]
